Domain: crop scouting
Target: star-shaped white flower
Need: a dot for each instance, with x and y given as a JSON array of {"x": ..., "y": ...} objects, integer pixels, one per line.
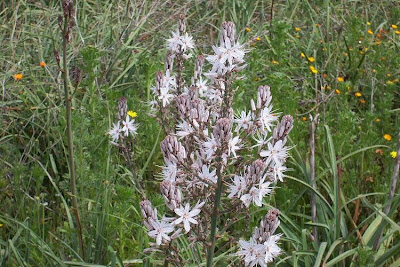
[
  {"x": 186, "y": 42},
  {"x": 173, "y": 43},
  {"x": 278, "y": 153},
  {"x": 114, "y": 132},
  {"x": 165, "y": 96},
  {"x": 267, "y": 119},
  {"x": 161, "y": 231},
  {"x": 128, "y": 126},
  {"x": 271, "y": 248},
  {"x": 238, "y": 186},
  {"x": 205, "y": 174},
  {"x": 233, "y": 145},
  {"x": 186, "y": 216},
  {"x": 243, "y": 121}
]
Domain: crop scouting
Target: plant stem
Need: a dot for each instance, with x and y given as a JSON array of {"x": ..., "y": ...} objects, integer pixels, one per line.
[
  {"x": 312, "y": 176},
  {"x": 214, "y": 216},
  {"x": 393, "y": 184},
  {"x": 69, "y": 136}
]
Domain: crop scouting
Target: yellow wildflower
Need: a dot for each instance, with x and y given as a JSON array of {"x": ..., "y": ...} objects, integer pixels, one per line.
[
  {"x": 370, "y": 31},
  {"x": 374, "y": 70},
  {"x": 358, "y": 94},
  {"x": 389, "y": 82},
  {"x": 304, "y": 118},
  {"x": 302, "y": 55},
  {"x": 394, "y": 26},
  {"x": 311, "y": 59},
  {"x": 388, "y": 137},
  {"x": 378, "y": 120},
  {"x": 313, "y": 70},
  {"x": 275, "y": 62},
  {"x": 393, "y": 154},
  {"x": 258, "y": 39},
  {"x": 362, "y": 101},
  {"x": 42, "y": 64},
  {"x": 317, "y": 25},
  {"x": 368, "y": 23},
  {"x": 340, "y": 79},
  {"x": 18, "y": 76},
  {"x": 297, "y": 29},
  {"x": 397, "y": 32},
  {"x": 337, "y": 91},
  {"x": 132, "y": 114},
  {"x": 248, "y": 29}
]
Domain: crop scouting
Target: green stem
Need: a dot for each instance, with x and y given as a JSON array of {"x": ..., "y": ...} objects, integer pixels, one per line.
[
  {"x": 69, "y": 136},
  {"x": 214, "y": 217}
]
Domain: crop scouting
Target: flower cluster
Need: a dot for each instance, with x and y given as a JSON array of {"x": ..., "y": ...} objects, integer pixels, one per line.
[
  {"x": 209, "y": 152},
  {"x": 125, "y": 125}
]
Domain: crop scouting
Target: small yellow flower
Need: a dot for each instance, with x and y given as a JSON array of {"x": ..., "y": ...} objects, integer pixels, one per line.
[
  {"x": 378, "y": 120},
  {"x": 388, "y": 74},
  {"x": 258, "y": 39},
  {"x": 394, "y": 26},
  {"x": 323, "y": 49},
  {"x": 388, "y": 137},
  {"x": 132, "y": 114},
  {"x": 18, "y": 76},
  {"x": 389, "y": 82},
  {"x": 362, "y": 101},
  {"x": 368, "y": 23},
  {"x": 304, "y": 118},
  {"x": 1, "y": 225},
  {"x": 378, "y": 42},
  {"x": 275, "y": 62},
  {"x": 297, "y": 29},
  {"x": 42, "y": 64},
  {"x": 383, "y": 58},
  {"x": 337, "y": 91},
  {"x": 311, "y": 59},
  {"x": 302, "y": 55},
  {"x": 313, "y": 70},
  {"x": 393, "y": 154},
  {"x": 248, "y": 29},
  {"x": 358, "y": 94},
  {"x": 397, "y": 32},
  {"x": 317, "y": 25},
  {"x": 370, "y": 31},
  {"x": 374, "y": 70},
  {"x": 340, "y": 79}
]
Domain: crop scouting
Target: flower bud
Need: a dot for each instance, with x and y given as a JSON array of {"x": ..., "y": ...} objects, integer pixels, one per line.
[
  {"x": 264, "y": 96},
  {"x": 181, "y": 24},
  {"x": 227, "y": 33},
  {"x": 267, "y": 227},
  {"x": 283, "y": 129},
  {"x": 172, "y": 149},
  {"x": 122, "y": 108},
  {"x": 255, "y": 172},
  {"x": 198, "y": 67},
  {"x": 149, "y": 214},
  {"x": 171, "y": 193},
  {"x": 223, "y": 130},
  {"x": 169, "y": 62}
]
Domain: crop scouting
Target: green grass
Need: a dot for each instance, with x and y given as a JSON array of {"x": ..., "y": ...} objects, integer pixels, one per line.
[{"x": 119, "y": 46}]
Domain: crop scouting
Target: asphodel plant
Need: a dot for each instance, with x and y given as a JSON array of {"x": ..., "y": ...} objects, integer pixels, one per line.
[{"x": 217, "y": 164}]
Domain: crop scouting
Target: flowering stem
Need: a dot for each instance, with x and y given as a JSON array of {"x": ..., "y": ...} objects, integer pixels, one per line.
[
  {"x": 69, "y": 134},
  {"x": 214, "y": 216}
]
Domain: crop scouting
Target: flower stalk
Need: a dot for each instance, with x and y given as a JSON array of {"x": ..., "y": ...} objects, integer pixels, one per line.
[{"x": 66, "y": 32}]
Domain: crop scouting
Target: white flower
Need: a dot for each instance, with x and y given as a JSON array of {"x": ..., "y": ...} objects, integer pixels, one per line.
[
  {"x": 233, "y": 146},
  {"x": 186, "y": 42},
  {"x": 264, "y": 189},
  {"x": 174, "y": 42},
  {"x": 238, "y": 186},
  {"x": 278, "y": 171},
  {"x": 231, "y": 54},
  {"x": 184, "y": 129},
  {"x": 128, "y": 126},
  {"x": 205, "y": 174},
  {"x": 267, "y": 118},
  {"x": 248, "y": 250},
  {"x": 202, "y": 85},
  {"x": 169, "y": 171},
  {"x": 186, "y": 216},
  {"x": 209, "y": 147},
  {"x": 114, "y": 132},
  {"x": 168, "y": 80},
  {"x": 259, "y": 256},
  {"x": 161, "y": 231},
  {"x": 243, "y": 121},
  {"x": 165, "y": 96},
  {"x": 271, "y": 248},
  {"x": 252, "y": 196},
  {"x": 278, "y": 153}
]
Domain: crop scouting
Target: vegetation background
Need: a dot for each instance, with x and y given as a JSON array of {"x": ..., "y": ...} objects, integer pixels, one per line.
[{"x": 338, "y": 59}]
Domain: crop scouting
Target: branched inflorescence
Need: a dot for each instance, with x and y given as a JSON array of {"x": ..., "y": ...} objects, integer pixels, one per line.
[{"x": 216, "y": 164}]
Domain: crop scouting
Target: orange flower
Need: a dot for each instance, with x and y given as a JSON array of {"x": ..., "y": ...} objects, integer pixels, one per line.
[
  {"x": 304, "y": 118},
  {"x": 42, "y": 64},
  {"x": 362, "y": 101},
  {"x": 248, "y": 29},
  {"x": 340, "y": 79},
  {"x": 297, "y": 29},
  {"x": 388, "y": 137},
  {"x": 358, "y": 94},
  {"x": 18, "y": 76}
]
